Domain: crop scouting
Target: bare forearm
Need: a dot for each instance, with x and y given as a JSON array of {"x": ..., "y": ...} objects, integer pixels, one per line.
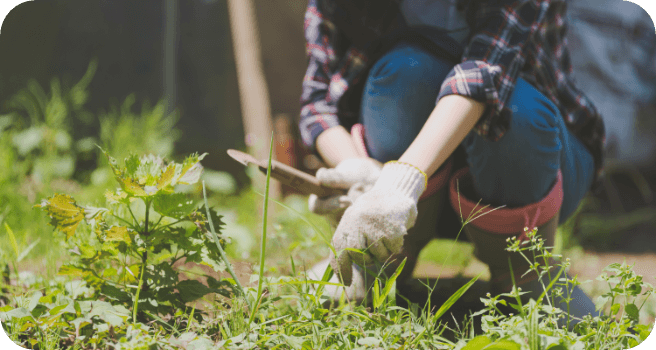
[
  {"x": 335, "y": 145},
  {"x": 449, "y": 123}
]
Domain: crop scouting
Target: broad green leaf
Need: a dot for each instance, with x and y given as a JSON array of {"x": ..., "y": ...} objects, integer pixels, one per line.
[
  {"x": 131, "y": 186},
  {"x": 201, "y": 343},
  {"x": 191, "y": 170},
  {"x": 200, "y": 219},
  {"x": 557, "y": 347},
  {"x": 50, "y": 298},
  {"x": 118, "y": 234},
  {"x": 166, "y": 178},
  {"x": 18, "y": 313},
  {"x": 614, "y": 267},
  {"x": 67, "y": 270},
  {"x": 634, "y": 289},
  {"x": 64, "y": 213},
  {"x": 62, "y": 309},
  {"x": 478, "y": 343},
  {"x": 601, "y": 301},
  {"x": 118, "y": 197},
  {"x": 6, "y": 308},
  {"x": 115, "y": 293},
  {"x": 34, "y": 300},
  {"x": 87, "y": 252},
  {"x": 175, "y": 205},
  {"x": 369, "y": 341},
  {"x": 149, "y": 170},
  {"x": 110, "y": 272},
  {"x": 113, "y": 315},
  {"x": 91, "y": 213},
  {"x": 615, "y": 309},
  {"x": 191, "y": 290},
  {"x": 39, "y": 310},
  {"x": 643, "y": 330},
  {"x": 503, "y": 345},
  {"x": 632, "y": 311},
  {"x": 132, "y": 163}
]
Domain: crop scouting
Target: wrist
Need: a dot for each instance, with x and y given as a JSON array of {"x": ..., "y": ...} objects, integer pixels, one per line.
[
  {"x": 402, "y": 178},
  {"x": 336, "y": 145}
]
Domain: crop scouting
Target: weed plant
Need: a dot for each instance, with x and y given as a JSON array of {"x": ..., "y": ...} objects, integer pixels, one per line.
[
  {"x": 283, "y": 312},
  {"x": 47, "y": 142}
]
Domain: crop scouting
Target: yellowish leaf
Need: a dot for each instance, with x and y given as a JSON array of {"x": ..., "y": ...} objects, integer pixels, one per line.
[
  {"x": 64, "y": 213},
  {"x": 132, "y": 187},
  {"x": 166, "y": 177},
  {"x": 118, "y": 234}
]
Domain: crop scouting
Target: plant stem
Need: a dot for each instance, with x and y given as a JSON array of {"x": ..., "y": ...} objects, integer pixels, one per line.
[
  {"x": 171, "y": 224},
  {"x": 144, "y": 258},
  {"x": 264, "y": 233},
  {"x": 157, "y": 223},
  {"x": 136, "y": 297},
  {"x": 133, "y": 217},
  {"x": 132, "y": 226}
]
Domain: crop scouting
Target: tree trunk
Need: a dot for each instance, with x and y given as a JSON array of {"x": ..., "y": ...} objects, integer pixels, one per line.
[{"x": 254, "y": 95}]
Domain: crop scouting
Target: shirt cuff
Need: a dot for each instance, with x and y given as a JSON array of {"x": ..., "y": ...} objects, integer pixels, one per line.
[
  {"x": 477, "y": 80},
  {"x": 312, "y": 126}
]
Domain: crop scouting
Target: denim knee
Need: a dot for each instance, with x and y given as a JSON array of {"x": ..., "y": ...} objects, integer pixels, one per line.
[
  {"x": 399, "y": 95},
  {"x": 521, "y": 167}
]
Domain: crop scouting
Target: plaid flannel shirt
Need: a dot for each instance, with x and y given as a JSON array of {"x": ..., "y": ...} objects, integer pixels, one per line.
[{"x": 509, "y": 39}]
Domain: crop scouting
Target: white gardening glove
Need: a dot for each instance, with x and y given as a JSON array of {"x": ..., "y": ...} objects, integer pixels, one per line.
[
  {"x": 362, "y": 171},
  {"x": 378, "y": 220}
]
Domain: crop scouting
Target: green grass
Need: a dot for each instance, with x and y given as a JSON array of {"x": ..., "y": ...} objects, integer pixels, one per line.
[{"x": 279, "y": 308}]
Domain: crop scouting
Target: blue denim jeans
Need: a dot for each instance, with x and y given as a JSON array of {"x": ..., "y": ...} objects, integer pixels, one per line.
[{"x": 517, "y": 170}]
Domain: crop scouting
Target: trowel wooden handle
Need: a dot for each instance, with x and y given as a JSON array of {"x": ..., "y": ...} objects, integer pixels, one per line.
[
  {"x": 299, "y": 180},
  {"x": 295, "y": 178}
]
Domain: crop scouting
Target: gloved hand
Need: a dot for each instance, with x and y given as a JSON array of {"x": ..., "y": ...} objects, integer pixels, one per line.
[
  {"x": 362, "y": 171},
  {"x": 378, "y": 220}
]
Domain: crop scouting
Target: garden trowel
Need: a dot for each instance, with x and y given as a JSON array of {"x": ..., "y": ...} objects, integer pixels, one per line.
[{"x": 304, "y": 182}]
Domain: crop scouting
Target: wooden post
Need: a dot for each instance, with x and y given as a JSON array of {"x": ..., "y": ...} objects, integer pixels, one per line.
[
  {"x": 284, "y": 146},
  {"x": 253, "y": 92}
]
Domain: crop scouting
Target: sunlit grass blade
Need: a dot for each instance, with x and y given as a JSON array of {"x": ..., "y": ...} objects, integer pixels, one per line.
[
  {"x": 191, "y": 318},
  {"x": 447, "y": 304},
  {"x": 136, "y": 295},
  {"x": 12, "y": 239},
  {"x": 389, "y": 284},
  {"x": 264, "y": 234},
  {"x": 27, "y": 250}
]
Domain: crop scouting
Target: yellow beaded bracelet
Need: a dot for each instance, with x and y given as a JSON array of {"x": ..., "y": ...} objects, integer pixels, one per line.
[{"x": 423, "y": 173}]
